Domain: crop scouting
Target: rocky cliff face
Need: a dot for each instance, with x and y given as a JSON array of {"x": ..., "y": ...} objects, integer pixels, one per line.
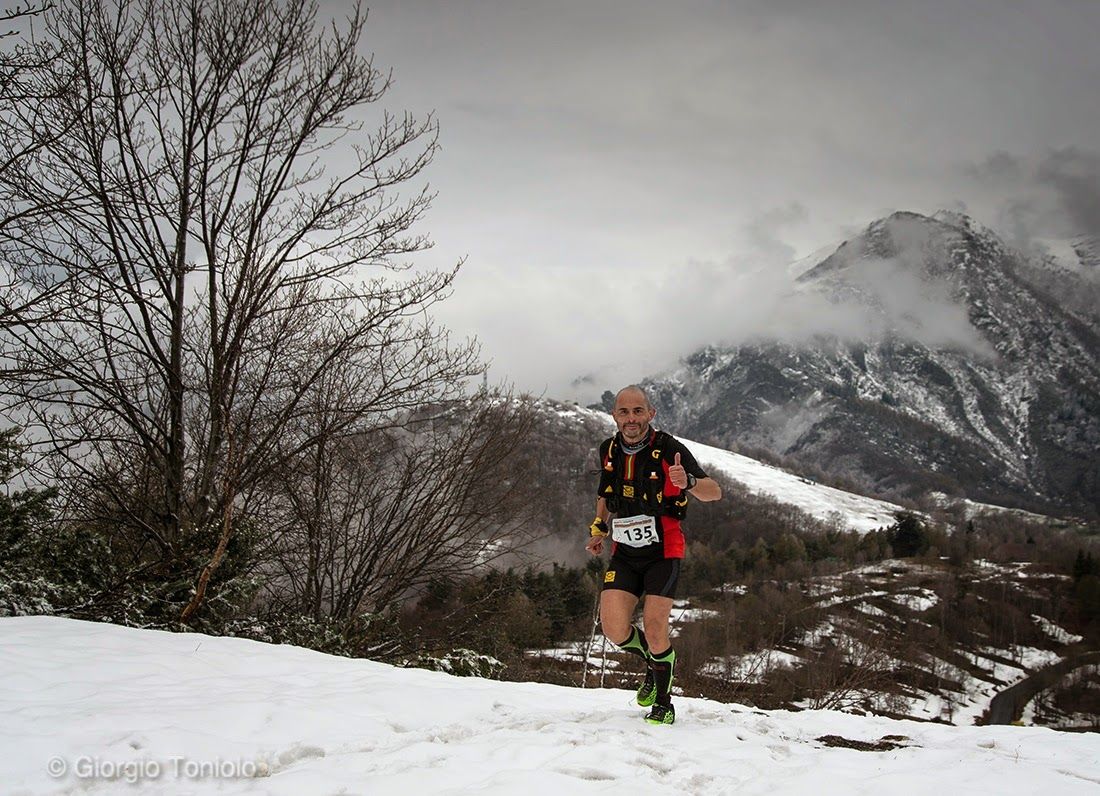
[{"x": 957, "y": 365}]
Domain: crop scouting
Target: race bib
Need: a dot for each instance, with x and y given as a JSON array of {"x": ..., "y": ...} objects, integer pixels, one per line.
[{"x": 635, "y": 531}]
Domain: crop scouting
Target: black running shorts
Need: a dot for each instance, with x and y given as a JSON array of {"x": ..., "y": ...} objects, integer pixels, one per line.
[{"x": 643, "y": 575}]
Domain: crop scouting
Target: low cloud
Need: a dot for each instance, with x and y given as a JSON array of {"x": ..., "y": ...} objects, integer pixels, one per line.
[
  {"x": 1056, "y": 195},
  {"x": 875, "y": 298},
  {"x": 756, "y": 297},
  {"x": 1000, "y": 167},
  {"x": 903, "y": 301},
  {"x": 1074, "y": 176},
  {"x": 612, "y": 326}
]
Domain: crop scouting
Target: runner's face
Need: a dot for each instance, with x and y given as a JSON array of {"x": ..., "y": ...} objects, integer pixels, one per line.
[{"x": 632, "y": 416}]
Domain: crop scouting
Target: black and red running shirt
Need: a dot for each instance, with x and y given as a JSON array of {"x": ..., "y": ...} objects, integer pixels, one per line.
[{"x": 645, "y": 474}]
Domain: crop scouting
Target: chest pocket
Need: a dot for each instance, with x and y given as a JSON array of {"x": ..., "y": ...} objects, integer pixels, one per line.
[{"x": 643, "y": 492}]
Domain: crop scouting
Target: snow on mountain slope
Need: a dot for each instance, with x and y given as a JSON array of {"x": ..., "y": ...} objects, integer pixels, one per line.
[
  {"x": 826, "y": 503},
  {"x": 853, "y": 511},
  {"x": 1079, "y": 255},
  {"x": 88, "y": 708}
]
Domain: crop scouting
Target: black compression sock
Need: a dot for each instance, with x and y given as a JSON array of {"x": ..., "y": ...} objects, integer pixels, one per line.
[{"x": 662, "y": 666}]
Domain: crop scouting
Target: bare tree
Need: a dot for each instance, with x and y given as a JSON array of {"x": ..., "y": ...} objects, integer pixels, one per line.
[
  {"x": 846, "y": 674},
  {"x": 215, "y": 228},
  {"x": 20, "y": 136},
  {"x": 370, "y": 520},
  {"x": 16, "y": 54}
]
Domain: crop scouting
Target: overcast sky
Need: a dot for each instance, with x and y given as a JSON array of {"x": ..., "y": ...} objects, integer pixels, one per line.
[{"x": 615, "y": 173}]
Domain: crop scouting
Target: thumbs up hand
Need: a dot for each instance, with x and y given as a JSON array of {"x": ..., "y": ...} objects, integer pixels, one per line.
[{"x": 677, "y": 474}]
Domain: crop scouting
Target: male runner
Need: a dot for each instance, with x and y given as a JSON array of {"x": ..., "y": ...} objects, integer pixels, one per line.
[{"x": 646, "y": 476}]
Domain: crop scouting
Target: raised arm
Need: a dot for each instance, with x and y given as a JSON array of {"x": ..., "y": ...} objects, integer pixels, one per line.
[{"x": 705, "y": 488}]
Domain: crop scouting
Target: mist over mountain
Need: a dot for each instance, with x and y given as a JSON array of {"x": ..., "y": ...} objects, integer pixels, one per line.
[{"x": 924, "y": 354}]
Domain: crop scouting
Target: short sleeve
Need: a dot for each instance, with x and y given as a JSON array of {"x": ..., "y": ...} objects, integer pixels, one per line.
[{"x": 689, "y": 463}]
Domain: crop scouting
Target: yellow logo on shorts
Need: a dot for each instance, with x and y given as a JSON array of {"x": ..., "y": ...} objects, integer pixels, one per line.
[
  {"x": 609, "y": 576},
  {"x": 628, "y": 491}
]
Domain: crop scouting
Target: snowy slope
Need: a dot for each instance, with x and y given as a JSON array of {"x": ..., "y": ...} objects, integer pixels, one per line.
[
  {"x": 823, "y": 502},
  {"x": 99, "y": 704},
  {"x": 1079, "y": 255}
]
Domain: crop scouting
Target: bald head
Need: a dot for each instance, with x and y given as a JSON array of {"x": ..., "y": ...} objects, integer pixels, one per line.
[
  {"x": 632, "y": 413},
  {"x": 634, "y": 391}
]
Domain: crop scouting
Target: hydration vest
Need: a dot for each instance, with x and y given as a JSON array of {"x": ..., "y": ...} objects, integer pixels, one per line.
[{"x": 642, "y": 490}]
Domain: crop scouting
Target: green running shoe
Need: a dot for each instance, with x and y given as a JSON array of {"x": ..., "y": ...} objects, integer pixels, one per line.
[
  {"x": 661, "y": 714},
  {"x": 647, "y": 691}
]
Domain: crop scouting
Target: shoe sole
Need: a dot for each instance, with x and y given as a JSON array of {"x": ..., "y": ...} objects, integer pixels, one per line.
[{"x": 671, "y": 719}]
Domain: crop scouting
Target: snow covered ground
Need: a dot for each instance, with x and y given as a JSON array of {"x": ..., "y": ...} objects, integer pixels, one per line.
[
  {"x": 1055, "y": 632},
  {"x": 978, "y": 692},
  {"x": 972, "y": 509},
  {"x": 88, "y": 708}
]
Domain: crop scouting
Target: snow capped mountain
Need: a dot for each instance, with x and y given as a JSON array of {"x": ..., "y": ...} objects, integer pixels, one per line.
[{"x": 940, "y": 361}]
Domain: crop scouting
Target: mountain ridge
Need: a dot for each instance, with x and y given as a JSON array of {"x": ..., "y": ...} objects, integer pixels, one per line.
[{"x": 964, "y": 375}]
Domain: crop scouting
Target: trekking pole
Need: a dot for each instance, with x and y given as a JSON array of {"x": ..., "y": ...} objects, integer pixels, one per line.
[
  {"x": 603, "y": 660},
  {"x": 591, "y": 639}
]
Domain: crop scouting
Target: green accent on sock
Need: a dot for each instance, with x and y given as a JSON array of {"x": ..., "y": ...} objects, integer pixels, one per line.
[
  {"x": 647, "y": 691},
  {"x": 636, "y": 643},
  {"x": 668, "y": 656}
]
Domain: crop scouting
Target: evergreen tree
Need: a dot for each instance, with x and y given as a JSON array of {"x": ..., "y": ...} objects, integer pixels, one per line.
[
  {"x": 908, "y": 535},
  {"x": 1085, "y": 565},
  {"x": 44, "y": 568},
  {"x": 23, "y": 510}
]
